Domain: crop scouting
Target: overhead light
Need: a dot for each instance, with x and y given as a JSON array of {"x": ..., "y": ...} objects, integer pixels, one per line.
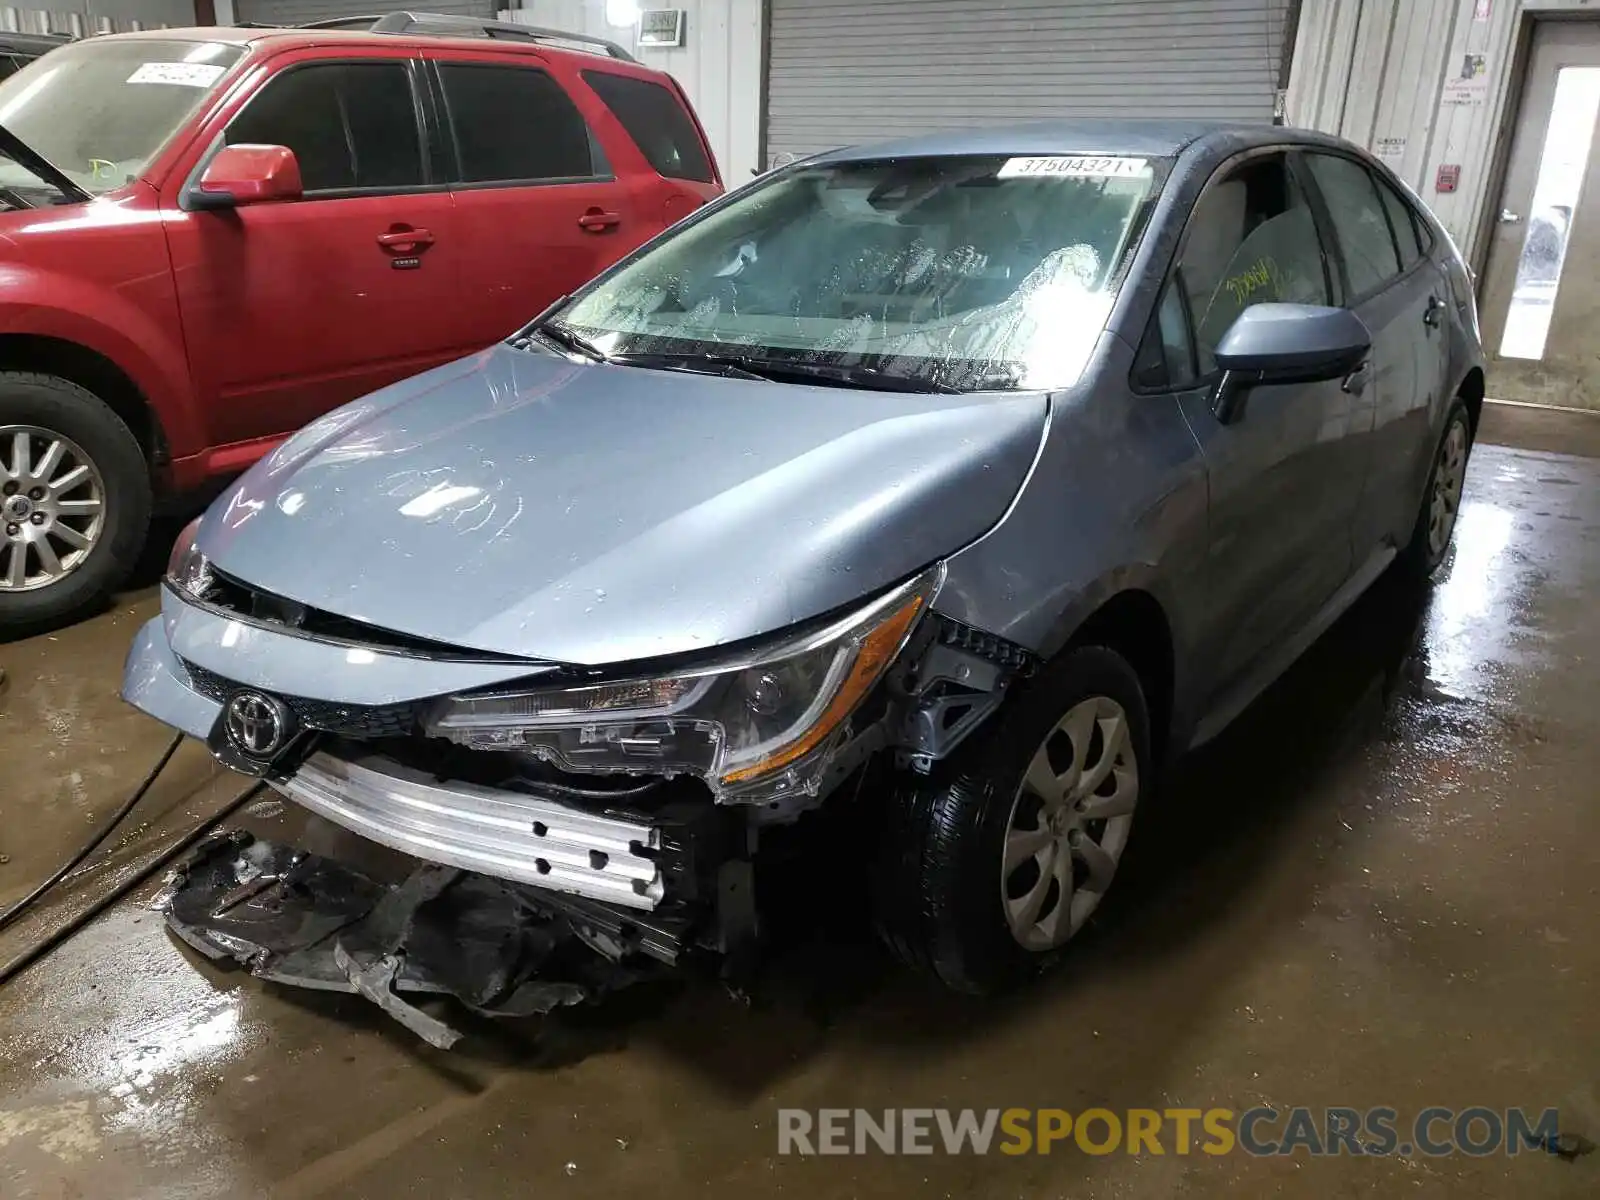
[{"x": 622, "y": 12}]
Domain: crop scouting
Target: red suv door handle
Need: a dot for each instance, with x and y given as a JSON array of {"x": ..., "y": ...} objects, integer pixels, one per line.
[
  {"x": 405, "y": 240},
  {"x": 598, "y": 220}
]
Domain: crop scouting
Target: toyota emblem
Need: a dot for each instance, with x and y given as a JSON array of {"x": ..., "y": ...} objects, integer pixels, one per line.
[{"x": 257, "y": 725}]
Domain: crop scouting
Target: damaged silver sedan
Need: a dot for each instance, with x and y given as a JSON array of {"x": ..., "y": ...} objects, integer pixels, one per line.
[{"x": 962, "y": 480}]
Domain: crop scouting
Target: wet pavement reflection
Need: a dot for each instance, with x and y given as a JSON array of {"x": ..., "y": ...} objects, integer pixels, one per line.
[{"x": 1379, "y": 887}]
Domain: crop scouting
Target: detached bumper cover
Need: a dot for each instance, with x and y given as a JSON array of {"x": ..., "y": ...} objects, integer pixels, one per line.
[
  {"x": 509, "y": 835},
  {"x": 153, "y": 681},
  {"x": 306, "y": 921}
]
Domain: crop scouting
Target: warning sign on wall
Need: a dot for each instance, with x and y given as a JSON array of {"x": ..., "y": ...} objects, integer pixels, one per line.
[{"x": 1471, "y": 86}]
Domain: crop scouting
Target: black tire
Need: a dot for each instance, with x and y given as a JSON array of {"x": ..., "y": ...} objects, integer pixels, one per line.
[
  {"x": 940, "y": 868},
  {"x": 59, "y": 406},
  {"x": 1420, "y": 557}
]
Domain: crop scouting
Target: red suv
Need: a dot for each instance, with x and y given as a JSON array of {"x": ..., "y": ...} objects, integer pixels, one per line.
[{"x": 211, "y": 236}]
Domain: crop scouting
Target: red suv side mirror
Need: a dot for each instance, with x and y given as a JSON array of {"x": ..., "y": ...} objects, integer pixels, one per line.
[{"x": 241, "y": 175}]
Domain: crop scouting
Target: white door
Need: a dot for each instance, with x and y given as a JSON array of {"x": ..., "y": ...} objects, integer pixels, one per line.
[{"x": 1541, "y": 295}]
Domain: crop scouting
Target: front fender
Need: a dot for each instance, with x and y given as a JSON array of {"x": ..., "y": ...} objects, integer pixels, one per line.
[{"x": 111, "y": 292}]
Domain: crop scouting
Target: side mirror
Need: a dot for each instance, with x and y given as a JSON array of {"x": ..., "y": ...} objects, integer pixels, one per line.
[
  {"x": 1287, "y": 343},
  {"x": 241, "y": 175}
]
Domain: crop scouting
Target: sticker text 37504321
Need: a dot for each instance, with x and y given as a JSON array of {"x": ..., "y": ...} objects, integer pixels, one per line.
[{"x": 1074, "y": 166}]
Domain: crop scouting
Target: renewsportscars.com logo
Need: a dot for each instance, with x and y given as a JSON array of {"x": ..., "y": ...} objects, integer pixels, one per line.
[{"x": 1261, "y": 1132}]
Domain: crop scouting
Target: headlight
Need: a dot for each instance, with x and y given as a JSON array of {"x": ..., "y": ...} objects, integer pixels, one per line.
[
  {"x": 756, "y": 726},
  {"x": 187, "y": 569}
]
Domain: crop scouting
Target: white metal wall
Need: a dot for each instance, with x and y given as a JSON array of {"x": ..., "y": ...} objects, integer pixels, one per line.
[
  {"x": 719, "y": 64},
  {"x": 1374, "y": 71},
  {"x": 844, "y": 71},
  {"x": 299, "y": 12}
]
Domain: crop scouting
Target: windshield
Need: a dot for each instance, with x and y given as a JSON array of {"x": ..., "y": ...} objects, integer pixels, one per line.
[
  {"x": 961, "y": 272},
  {"x": 101, "y": 110}
]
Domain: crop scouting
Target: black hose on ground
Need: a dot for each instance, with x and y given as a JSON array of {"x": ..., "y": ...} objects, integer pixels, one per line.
[
  {"x": 34, "y": 953},
  {"x": 21, "y": 906}
]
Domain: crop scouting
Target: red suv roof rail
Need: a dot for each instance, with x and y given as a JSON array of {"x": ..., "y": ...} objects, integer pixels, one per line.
[{"x": 451, "y": 25}]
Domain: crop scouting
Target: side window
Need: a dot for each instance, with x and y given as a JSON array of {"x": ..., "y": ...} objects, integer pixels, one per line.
[
  {"x": 655, "y": 119},
  {"x": 1404, "y": 223},
  {"x": 1166, "y": 357},
  {"x": 1358, "y": 221},
  {"x": 514, "y": 124},
  {"x": 351, "y": 125},
  {"x": 1251, "y": 240}
]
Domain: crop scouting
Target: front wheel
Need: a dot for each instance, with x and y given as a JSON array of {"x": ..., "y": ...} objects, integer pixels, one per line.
[
  {"x": 74, "y": 500},
  {"x": 990, "y": 867}
]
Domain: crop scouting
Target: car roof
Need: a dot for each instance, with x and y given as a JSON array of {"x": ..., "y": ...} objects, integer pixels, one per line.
[
  {"x": 1148, "y": 139},
  {"x": 274, "y": 37}
]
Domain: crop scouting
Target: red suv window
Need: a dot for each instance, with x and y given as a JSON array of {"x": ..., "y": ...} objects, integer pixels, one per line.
[
  {"x": 515, "y": 124},
  {"x": 656, "y": 121},
  {"x": 350, "y": 125}
]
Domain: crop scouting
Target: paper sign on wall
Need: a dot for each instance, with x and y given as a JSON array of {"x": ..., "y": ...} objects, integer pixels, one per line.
[
  {"x": 1078, "y": 166},
  {"x": 1391, "y": 150},
  {"x": 184, "y": 74},
  {"x": 1471, "y": 86}
]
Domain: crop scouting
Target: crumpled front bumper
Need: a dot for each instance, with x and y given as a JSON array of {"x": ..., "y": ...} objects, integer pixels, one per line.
[
  {"x": 154, "y": 682},
  {"x": 512, "y": 835}
]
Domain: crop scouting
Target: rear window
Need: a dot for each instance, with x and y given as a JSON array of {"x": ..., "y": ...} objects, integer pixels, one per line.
[
  {"x": 514, "y": 124},
  {"x": 655, "y": 119}
]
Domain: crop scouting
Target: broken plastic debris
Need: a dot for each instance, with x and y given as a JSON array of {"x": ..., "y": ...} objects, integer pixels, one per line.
[{"x": 307, "y": 921}]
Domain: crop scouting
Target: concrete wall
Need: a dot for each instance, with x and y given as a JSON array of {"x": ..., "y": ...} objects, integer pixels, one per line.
[
  {"x": 1377, "y": 71},
  {"x": 719, "y": 64}
]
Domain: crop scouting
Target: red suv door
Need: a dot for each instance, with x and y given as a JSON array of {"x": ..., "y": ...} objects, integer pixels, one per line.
[
  {"x": 292, "y": 308},
  {"x": 676, "y": 173},
  {"x": 539, "y": 203}
]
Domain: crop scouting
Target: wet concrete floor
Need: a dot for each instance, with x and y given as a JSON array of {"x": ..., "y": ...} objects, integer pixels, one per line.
[{"x": 1380, "y": 888}]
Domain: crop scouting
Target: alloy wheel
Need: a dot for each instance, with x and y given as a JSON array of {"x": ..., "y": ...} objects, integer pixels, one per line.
[
  {"x": 52, "y": 507},
  {"x": 1449, "y": 477},
  {"x": 1069, "y": 823}
]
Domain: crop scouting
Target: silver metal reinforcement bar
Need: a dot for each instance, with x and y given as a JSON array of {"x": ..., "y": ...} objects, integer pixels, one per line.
[{"x": 508, "y": 835}]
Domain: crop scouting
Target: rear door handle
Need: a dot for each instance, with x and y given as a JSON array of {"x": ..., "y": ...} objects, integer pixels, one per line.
[
  {"x": 406, "y": 241},
  {"x": 598, "y": 220},
  {"x": 1434, "y": 317},
  {"x": 1356, "y": 382}
]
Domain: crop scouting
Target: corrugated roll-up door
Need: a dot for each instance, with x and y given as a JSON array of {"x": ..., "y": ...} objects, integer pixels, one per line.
[
  {"x": 299, "y": 12},
  {"x": 841, "y": 72}
]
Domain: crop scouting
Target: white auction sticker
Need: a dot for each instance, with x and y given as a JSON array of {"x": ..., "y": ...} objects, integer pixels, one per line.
[
  {"x": 1077, "y": 166},
  {"x": 185, "y": 74}
]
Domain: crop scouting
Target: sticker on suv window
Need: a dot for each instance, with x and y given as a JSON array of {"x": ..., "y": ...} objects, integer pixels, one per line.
[
  {"x": 185, "y": 74},
  {"x": 1076, "y": 166}
]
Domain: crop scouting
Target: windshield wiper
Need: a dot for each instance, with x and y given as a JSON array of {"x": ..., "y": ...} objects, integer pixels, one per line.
[
  {"x": 728, "y": 366},
  {"x": 782, "y": 371},
  {"x": 14, "y": 198},
  {"x": 25, "y": 155},
  {"x": 569, "y": 338}
]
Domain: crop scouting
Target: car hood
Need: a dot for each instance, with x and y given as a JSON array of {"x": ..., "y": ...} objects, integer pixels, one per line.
[{"x": 519, "y": 503}]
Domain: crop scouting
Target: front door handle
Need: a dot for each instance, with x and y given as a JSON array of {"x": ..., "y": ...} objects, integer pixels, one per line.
[
  {"x": 405, "y": 240},
  {"x": 1356, "y": 382},
  {"x": 598, "y": 220},
  {"x": 1434, "y": 316}
]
